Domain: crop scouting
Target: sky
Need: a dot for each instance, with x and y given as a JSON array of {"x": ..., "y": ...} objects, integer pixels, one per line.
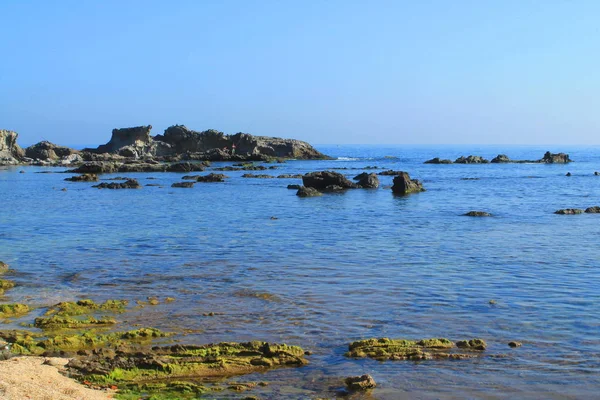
[{"x": 328, "y": 72}]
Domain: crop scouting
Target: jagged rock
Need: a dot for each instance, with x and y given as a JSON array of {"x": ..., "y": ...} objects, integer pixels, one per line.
[
  {"x": 501, "y": 158},
  {"x": 48, "y": 151},
  {"x": 83, "y": 178},
  {"x": 555, "y": 158},
  {"x": 211, "y": 178},
  {"x": 569, "y": 211},
  {"x": 308, "y": 192},
  {"x": 323, "y": 179},
  {"x": 10, "y": 152},
  {"x": 404, "y": 185},
  {"x": 183, "y": 184},
  {"x": 130, "y": 184},
  {"x": 438, "y": 160},
  {"x": 471, "y": 160},
  {"x": 477, "y": 214},
  {"x": 593, "y": 210},
  {"x": 363, "y": 382},
  {"x": 367, "y": 181}
]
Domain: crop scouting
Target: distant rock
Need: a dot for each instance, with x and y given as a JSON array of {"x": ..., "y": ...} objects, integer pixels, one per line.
[
  {"x": 3, "y": 267},
  {"x": 555, "y": 158},
  {"x": 477, "y": 214},
  {"x": 568, "y": 174},
  {"x": 367, "y": 181},
  {"x": 390, "y": 173},
  {"x": 593, "y": 210},
  {"x": 212, "y": 177},
  {"x": 471, "y": 160},
  {"x": 308, "y": 192},
  {"x": 83, "y": 178},
  {"x": 259, "y": 176},
  {"x": 501, "y": 159},
  {"x": 290, "y": 176},
  {"x": 514, "y": 344},
  {"x": 183, "y": 184},
  {"x": 569, "y": 211},
  {"x": 404, "y": 185},
  {"x": 106, "y": 167},
  {"x": 322, "y": 179},
  {"x": 48, "y": 151},
  {"x": 438, "y": 160},
  {"x": 130, "y": 184},
  {"x": 294, "y": 186},
  {"x": 10, "y": 152}
]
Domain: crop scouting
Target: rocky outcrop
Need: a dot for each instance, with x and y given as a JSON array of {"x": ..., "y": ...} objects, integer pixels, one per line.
[
  {"x": 211, "y": 178},
  {"x": 500, "y": 159},
  {"x": 569, "y": 211},
  {"x": 438, "y": 160},
  {"x": 404, "y": 185},
  {"x": 83, "y": 178},
  {"x": 364, "y": 382},
  {"x": 304, "y": 191},
  {"x": 107, "y": 167},
  {"x": 367, "y": 181},
  {"x": 10, "y": 152},
  {"x": 183, "y": 185},
  {"x": 129, "y": 184},
  {"x": 593, "y": 210},
  {"x": 555, "y": 158},
  {"x": 48, "y": 151},
  {"x": 327, "y": 180},
  {"x": 471, "y": 160}
]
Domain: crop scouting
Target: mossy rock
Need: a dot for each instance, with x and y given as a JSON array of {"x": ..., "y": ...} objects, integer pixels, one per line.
[
  {"x": 402, "y": 349},
  {"x": 13, "y": 310},
  {"x": 86, "y": 306},
  {"x": 59, "y": 322},
  {"x": 6, "y": 284},
  {"x": 3, "y": 267},
  {"x": 473, "y": 344}
]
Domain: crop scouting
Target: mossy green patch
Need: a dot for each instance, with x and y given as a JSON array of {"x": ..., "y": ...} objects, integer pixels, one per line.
[
  {"x": 13, "y": 310},
  {"x": 6, "y": 284},
  {"x": 59, "y": 322},
  {"x": 86, "y": 306},
  {"x": 401, "y": 349}
]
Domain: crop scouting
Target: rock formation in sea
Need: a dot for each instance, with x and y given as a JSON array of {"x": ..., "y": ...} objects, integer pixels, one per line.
[
  {"x": 10, "y": 152},
  {"x": 548, "y": 158},
  {"x": 49, "y": 151},
  {"x": 404, "y": 185}
]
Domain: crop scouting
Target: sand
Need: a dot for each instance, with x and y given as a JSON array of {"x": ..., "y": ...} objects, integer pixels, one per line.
[{"x": 39, "y": 378}]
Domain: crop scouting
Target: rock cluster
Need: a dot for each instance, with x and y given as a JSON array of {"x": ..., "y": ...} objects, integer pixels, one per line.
[{"x": 548, "y": 158}]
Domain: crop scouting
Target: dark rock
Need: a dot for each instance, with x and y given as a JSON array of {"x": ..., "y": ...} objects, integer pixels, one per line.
[
  {"x": 83, "y": 178},
  {"x": 3, "y": 267},
  {"x": 364, "y": 382},
  {"x": 569, "y": 211},
  {"x": 290, "y": 176},
  {"x": 48, "y": 151},
  {"x": 596, "y": 173},
  {"x": 438, "y": 160},
  {"x": 568, "y": 174},
  {"x": 259, "y": 176},
  {"x": 473, "y": 344},
  {"x": 515, "y": 344},
  {"x": 130, "y": 184},
  {"x": 404, "y": 185},
  {"x": 501, "y": 158},
  {"x": 294, "y": 186},
  {"x": 471, "y": 160},
  {"x": 368, "y": 181},
  {"x": 185, "y": 167},
  {"x": 555, "y": 158},
  {"x": 211, "y": 178},
  {"x": 308, "y": 192},
  {"x": 477, "y": 214},
  {"x": 390, "y": 173},
  {"x": 323, "y": 179},
  {"x": 191, "y": 177},
  {"x": 183, "y": 184},
  {"x": 593, "y": 210}
]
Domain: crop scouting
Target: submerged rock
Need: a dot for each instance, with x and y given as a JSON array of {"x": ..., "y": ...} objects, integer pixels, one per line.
[
  {"x": 304, "y": 191},
  {"x": 515, "y": 344},
  {"x": 477, "y": 214},
  {"x": 83, "y": 178},
  {"x": 320, "y": 180},
  {"x": 401, "y": 349},
  {"x": 404, "y": 185},
  {"x": 593, "y": 210},
  {"x": 130, "y": 184},
  {"x": 569, "y": 211},
  {"x": 475, "y": 344},
  {"x": 363, "y": 382},
  {"x": 183, "y": 184},
  {"x": 212, "y": 177}
]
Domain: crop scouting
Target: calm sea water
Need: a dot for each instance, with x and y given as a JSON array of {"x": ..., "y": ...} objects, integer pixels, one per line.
[{"x": 340, "y": 267}]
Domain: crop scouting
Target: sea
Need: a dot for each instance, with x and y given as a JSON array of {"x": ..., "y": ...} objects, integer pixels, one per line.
[{"x": 247, "y": 259}]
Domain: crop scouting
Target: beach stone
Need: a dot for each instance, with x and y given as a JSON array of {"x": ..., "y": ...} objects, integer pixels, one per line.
[
  {"x": 183, "y": 184},
  {"x": 477, "y": 214},
  {"x": 323, "y": 179},
  {"x": 308, "y": 192},
  {"x": 593, "y": 210},
  {"x": 363, "y": 382},
  {"x": 404, "y": 185},
  {"x": 438, "y": 160},
  {"x": 569, "y": 211}
]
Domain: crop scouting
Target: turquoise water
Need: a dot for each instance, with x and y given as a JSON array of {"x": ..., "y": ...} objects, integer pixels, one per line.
[{"x": 340, "y": 267}]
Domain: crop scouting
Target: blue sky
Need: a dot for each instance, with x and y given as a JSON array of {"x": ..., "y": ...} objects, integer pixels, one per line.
[{"x": 393, "y": 72}]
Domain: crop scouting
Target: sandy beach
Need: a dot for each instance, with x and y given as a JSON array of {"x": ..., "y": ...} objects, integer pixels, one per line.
[{"x": 39, "y": 378}]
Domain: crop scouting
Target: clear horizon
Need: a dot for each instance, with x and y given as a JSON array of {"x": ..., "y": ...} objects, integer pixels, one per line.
[{"x": 341, "y": 72}]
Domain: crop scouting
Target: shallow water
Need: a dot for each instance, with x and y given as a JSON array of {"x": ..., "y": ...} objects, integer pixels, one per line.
[{"x": 340, "y": 267}]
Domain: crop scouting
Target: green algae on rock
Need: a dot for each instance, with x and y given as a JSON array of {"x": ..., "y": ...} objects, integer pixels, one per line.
[
  {"x": 13, "y": 310},
  {"x": 58, "y": 322},
  {"x": 6, "y": 284},
  {"x": 401, "y": 349},
  {"x": 475, "y": 344},
  {"x": 3, "y": 267},
  {"x": 185, "y": 361},
  {"x": 86, "y": 306}
]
